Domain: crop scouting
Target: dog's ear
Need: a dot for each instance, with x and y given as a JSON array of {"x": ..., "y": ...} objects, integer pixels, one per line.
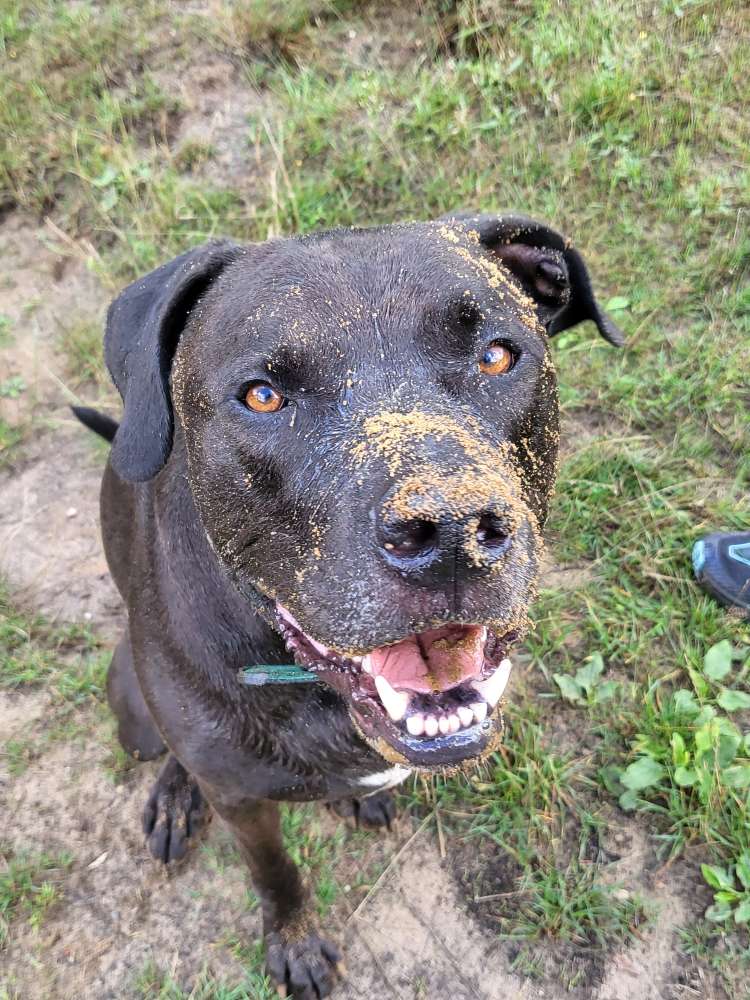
[
  {"x": 144, "y": 324},
  {"x": 548, "y": 268}
]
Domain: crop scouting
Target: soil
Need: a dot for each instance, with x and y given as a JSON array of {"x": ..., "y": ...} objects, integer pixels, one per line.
[{"x": 415, "y": 935}]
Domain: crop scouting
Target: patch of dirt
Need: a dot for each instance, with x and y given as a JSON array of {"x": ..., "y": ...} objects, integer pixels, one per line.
[
  {"x": 42, "y": 292},
  {"x": 387, "y": 36},
  {"x": 120, "y": 909},
  {"x": 50, "y": 552},
  {"x": 19, "y": 711},
  {"x": 415, "y": 939},
  {"x": 584, "y": 428},
  {"x": 411, "y": 939},
  {"x": 18, "y": 714},
  {"x": 553, "y": 576},
  {"x": 50, "y": 545},
  {"x": 651, "y": 965},
  {"x": 216, "y": 103}
]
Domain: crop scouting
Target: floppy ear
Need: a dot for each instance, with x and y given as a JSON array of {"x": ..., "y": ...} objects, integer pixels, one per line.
[
  {"x": 548, "y": 268},
  {"x": 144, "y": 324}
]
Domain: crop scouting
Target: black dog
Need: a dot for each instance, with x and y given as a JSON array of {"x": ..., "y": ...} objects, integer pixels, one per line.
[{"x": 342, "y": 447}]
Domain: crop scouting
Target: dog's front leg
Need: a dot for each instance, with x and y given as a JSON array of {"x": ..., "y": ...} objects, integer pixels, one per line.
[{"x": 300, "y": 961}]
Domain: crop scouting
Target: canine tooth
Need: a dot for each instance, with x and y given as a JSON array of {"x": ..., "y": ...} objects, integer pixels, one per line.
[
  {"x": 443, "y": 725},
  {"x": 367, "y": 664},
  {"x": 492, "y": 689},
  {"x": 394, "y": 702},
  {"x": 479, "y": 708},
  {"x": 465, "y": 715},
  {"x": 431, "y": 725},
  {"x": 453, "y": 723},
  {"x": 415, "y": 724}
]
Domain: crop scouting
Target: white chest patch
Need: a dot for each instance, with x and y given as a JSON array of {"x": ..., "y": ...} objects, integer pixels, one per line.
[{"x": 381, "y": 780}]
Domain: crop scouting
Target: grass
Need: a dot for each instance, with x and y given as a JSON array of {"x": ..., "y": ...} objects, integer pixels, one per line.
[
  {"x": 6, "y": 331},
  {"x": 66, "y": 662},
  {"x": 34, "y": 652},
  {"x": 727, "y": 956},
  {"x": 525, "y": 815},
  {"x": 81, "y": 344},
  {"x": 71, "y": 79},
  {"x": 153, "y": 983},
  {"x": 578, "y": 113},
  {"x": 689, "y": 761},
  {"x": 11, "y": 435},
  {"x": 29, "y": 885}
]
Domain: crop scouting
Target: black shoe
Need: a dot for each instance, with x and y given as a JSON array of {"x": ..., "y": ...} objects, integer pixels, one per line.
[{"x": 722, "y": 567}]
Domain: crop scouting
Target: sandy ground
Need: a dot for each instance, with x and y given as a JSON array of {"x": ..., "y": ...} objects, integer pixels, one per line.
[{"x": 413, "y": 936}]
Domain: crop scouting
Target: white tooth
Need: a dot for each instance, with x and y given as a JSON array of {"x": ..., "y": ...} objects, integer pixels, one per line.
[
  {"x": 394, "y": 702},
  {"x": 492, "y": 689},
  {"x": 431, "y": 725},
  {"x": 479, "y": 708},
  {"x": 453, "y": 724},
  {"x": 465, "y": 715},
  {"x": 367, "y": 663},
  {"x": 443, "y": 725},
  {"x": 415, "y": 724}
]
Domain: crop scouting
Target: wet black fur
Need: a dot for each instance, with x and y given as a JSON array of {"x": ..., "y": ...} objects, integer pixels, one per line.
[{"x": 210, "y": 510}]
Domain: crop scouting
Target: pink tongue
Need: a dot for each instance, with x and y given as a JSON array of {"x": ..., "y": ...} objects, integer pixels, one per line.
[{"x": 436, "y": 660}]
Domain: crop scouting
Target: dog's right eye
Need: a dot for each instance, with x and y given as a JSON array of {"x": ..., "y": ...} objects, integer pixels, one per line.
[
  {"x": 497, "y": 359},
  {"x": 263, "y": 398}
]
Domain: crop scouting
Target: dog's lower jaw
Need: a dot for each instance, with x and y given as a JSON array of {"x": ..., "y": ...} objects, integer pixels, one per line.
[{"x": 426, "y": 761}]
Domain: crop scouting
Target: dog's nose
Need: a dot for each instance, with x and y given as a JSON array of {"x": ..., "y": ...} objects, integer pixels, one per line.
[
  {"x": 409, "y": 538},
  {"x": 492, "y": 532},
  {"x": 440, "y": 543}
]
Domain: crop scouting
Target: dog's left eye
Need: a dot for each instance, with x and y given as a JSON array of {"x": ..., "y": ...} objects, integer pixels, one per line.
[
  {"x": 497, "y": 359},
  {"x": 263, "y": 398}
]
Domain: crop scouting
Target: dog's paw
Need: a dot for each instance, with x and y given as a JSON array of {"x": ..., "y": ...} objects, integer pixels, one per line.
[
  {"x": 174, "y": 813},
  {"x": 374, "y": 812},
  {"x": 304, "y": 968}
]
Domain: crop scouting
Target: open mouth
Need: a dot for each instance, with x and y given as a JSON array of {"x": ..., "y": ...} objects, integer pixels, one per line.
[{"x": 432, "y": 696}]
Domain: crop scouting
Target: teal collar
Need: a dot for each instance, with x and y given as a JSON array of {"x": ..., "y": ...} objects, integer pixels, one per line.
[{"x": 276, "y": 673}]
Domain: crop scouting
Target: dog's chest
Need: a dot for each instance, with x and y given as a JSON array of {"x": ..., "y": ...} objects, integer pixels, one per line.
[{"x": 379, "y": 781}]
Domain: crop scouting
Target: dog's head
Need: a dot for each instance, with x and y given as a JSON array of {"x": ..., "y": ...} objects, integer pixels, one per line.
[{"x": 370, "y": 419}]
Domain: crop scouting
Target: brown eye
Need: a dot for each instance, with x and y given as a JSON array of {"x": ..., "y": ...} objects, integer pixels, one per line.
[
  {"x": 496, "y": 360},
  {"x": 262, "y": 398}
]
